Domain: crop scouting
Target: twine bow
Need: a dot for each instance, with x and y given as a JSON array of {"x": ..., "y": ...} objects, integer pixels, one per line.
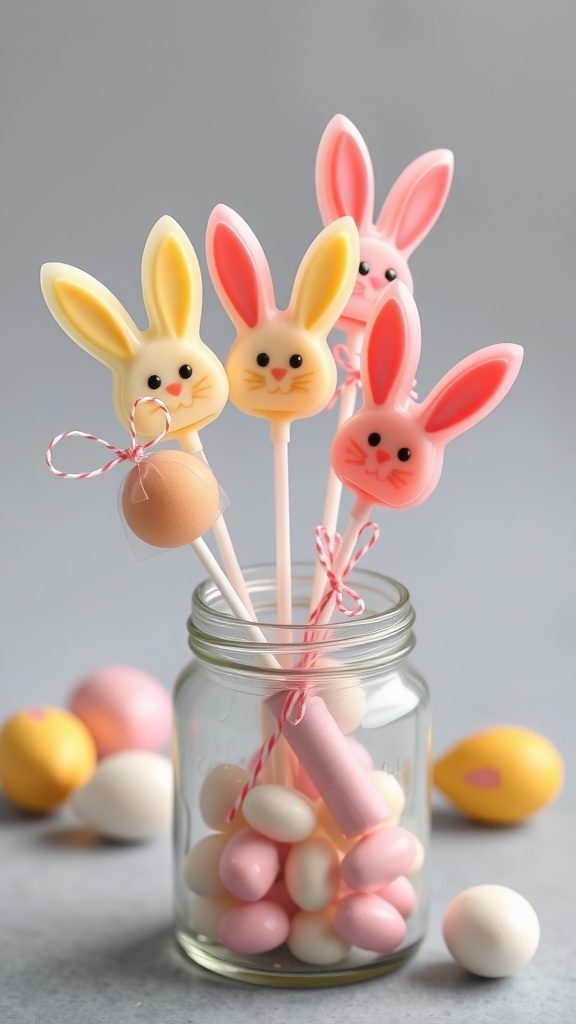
[
  {"x": 352, "y": 379},
  {"x": 135, "y": 453},
  {"x": 294, "y": 707}
]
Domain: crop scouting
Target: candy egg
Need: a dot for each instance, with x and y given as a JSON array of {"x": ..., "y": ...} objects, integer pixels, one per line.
[
  {"x": 45, "y": 754},
  {"x": 218, "y": 793},
  {"x": 123, "y": 708},
  {"x": 400, "y": 893},
  {"x": 502, "y": 775},
  {"x": 369, "y": 922},
  {"x": 312, "y": 873},
  {"x": 205, "y": 914},
  {"x": 254, "y": 927},
  {"x": 170, "y": 498},
  {"x": 249, "y": 864},
  {"x": 389, "y": 788},
  {"x": 280, "y": 813},
  {"x": 201, "y": 866},
  {"x": 491, "y": 930},
  {"x": 278, "y": 893},
  {"x": 314, "y": 940},
  {"x": 378, "y": 858},
  {"x": 129, "y": 797}
]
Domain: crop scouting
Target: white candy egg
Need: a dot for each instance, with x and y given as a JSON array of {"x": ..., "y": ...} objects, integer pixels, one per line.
[
  {"x": 491, "y": 930},
  {"x": 418, "y": 862},
  {"x": 313, "y": 940},
  {"x": 201, "y": 866},
  {"x": 205, "y": 914},
  {"x": 279, "y": 813},
  {"x": 312, "y": 873},
  {"x": 218, "y": 794},
  {"x": 392, "y": 793},
  {"x": 129, "y": 797}
]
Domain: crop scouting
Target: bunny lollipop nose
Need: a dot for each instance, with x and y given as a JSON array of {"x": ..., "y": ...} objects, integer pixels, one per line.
[
  {"x": 278, "y": 373},
  {"x": 382, "y": 457},
  {"x": 174, "y": 389}
]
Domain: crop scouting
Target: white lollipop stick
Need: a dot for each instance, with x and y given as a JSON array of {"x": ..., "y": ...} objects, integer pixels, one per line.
[
  {"x": 334, "y": 486},
  {"x": 282, "y": 520}
]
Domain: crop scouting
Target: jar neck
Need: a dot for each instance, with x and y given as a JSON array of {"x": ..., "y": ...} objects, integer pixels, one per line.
[{"x": 378, "y": 638}]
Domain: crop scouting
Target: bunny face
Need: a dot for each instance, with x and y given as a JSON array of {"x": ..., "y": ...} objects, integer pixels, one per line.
[
  {"x": 276, "y": 371},
  {"x": 345, "y": 186},
  {"x": 185, "y": 375},
  {"x": 380, "y": 264},
  {"x": 387, "y": 458},
  {"x": 391, "y": 451},
  {"x": 168, "y": 360},
  {"x": 280, "y": 366}
]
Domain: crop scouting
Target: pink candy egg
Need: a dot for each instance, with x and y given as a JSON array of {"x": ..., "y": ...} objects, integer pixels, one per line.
[
  {"x": 279, "y": 894},
  {"x": 124, "y": 709},
  {"x": 378, "y": 858},
  {"x": 400, "y": 893},
  {"x": 254, "y": 927},
  {"x": 249, "y": 864},
  {"x": 369, "y": 922}
]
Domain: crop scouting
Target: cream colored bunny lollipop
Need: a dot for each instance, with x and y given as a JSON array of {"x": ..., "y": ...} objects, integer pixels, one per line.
[{"x": 168, "y": 360}]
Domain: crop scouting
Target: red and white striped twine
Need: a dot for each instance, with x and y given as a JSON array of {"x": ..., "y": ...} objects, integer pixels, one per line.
[
  {"x": 294, "y": 706},
  {"x": 135, "y": 453},
  {"x": 352, "y": 379}
]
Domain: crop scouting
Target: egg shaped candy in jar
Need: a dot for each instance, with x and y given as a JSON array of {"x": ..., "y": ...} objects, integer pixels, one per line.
[{"x": 257, "y": 896}]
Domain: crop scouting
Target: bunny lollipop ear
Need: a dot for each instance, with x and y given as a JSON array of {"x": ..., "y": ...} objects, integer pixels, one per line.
[
  {"x": 89, "y": 313},
  {"x": 326, "y": 277},
  {"x": 238, "y": 268},
  {"x": 171, "y": 281},
  {"x": 416, "y": 200},
  {"x": 470, "y": 391},
  {"x": 344, "y": 175},
  {"x": 391, "y": 350}
]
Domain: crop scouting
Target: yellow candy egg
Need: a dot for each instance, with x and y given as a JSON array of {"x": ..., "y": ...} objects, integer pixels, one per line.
[
  {"x": 502, "y": 775},
  {"x": 45, "y": 754}
]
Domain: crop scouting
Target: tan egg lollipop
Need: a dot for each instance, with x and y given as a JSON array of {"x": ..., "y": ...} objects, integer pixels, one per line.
[{"x": 170, "y": 499}]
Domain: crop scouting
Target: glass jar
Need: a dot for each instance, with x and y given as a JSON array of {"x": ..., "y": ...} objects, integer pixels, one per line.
[{"x": 311, "y": 883}]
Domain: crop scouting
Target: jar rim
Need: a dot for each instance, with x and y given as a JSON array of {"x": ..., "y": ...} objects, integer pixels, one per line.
[{"x": 379, "y": 634}]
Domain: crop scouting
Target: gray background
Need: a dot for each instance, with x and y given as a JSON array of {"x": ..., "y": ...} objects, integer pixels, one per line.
[{"x": 116, "y": 113}]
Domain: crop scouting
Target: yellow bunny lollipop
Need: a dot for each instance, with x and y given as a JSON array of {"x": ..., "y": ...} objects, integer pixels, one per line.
[
  {"x": 280, "y": 366},
  {"x": 168, "y": 360}
]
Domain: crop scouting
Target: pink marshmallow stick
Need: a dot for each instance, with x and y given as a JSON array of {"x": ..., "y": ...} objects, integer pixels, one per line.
[
  {"x": 316, "y": 740},
  {"x": 338, "y": 775}
]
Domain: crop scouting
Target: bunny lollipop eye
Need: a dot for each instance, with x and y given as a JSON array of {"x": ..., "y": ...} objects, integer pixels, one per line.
[
  {"x": 185, "y": 371},
  {"x": 390, "y": 274},
  {"x": 263, "y": 359},
  {"x": 154, "y": 382},
  {"x": 364, "y": 268},
  {"x": 374, "y": 440},
  {"x": 295, "y": 362},
  {"x": 404, "y": 454}
]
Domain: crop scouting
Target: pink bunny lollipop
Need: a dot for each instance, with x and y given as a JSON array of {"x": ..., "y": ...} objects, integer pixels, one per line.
[
  {"x": 280, "y": 367},
  {"x": 390, "y": 453},
  {"x": 345, "y": 185}
]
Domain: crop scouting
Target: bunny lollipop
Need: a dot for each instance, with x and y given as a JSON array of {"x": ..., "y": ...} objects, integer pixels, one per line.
[
  {"x": 345, "y": 185},
  {"x": 280, "y": 367},
  {"x": 167, "y": 361},
  {"x": 391, "y": 451}
]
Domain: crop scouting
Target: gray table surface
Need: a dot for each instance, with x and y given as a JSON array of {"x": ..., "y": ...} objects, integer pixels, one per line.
[
  {"x": 86, "y": 935},
  {"x": 117, "y": 112}
]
